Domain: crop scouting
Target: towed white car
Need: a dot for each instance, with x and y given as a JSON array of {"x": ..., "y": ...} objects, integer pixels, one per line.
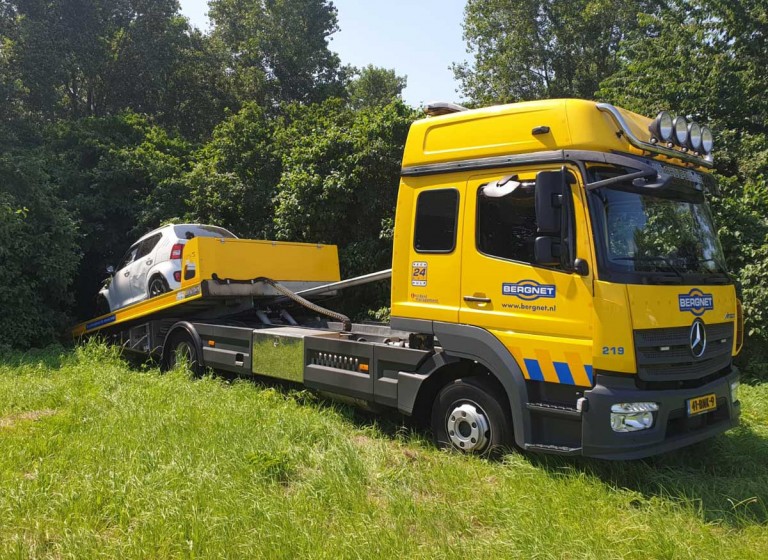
[{"x": 152, "y": 265}]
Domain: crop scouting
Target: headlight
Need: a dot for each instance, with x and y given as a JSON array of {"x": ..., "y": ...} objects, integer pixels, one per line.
[
  {"x": 707, "y": 140},
  {"x": 694, "y": 137},
  {"x": 661, "y": 127},
  {"x": 632, "y": 417},
  {"x": 681, "y": 130},
  {"x": 734, "y": 391}
]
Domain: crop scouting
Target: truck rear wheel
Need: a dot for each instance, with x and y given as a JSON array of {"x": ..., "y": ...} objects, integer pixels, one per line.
[
  {"x": 183, "y": 348},
  {"x": 469, "y": 417}
]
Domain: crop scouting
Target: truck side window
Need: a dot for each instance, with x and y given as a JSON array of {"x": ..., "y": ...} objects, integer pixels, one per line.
[
  {"x": 436, "y": 216},
  {"x": 506, "y": 226}
]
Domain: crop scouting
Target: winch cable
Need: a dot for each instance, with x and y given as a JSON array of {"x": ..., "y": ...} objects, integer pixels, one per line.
[{"x": 345, "y": 321}]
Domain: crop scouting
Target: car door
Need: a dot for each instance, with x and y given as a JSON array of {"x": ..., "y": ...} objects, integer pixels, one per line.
[
  {"x": 145, "y": 258},
  {"x": 543, "y": 315},
  {"x": 120, "y": 288}
]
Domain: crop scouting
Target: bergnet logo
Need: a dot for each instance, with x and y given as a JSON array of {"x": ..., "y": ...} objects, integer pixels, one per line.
[
  {"x": 696, "y": 301},
  {"x": 528, "y": 290}
]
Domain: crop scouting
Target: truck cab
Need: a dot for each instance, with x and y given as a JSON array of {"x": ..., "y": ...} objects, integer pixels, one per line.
[{"x": 567, "y": 247}]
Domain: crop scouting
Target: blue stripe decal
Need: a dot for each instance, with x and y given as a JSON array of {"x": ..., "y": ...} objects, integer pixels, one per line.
[
  {"x": 534, "y": 370},
  {"x": 588, "y": 369},
  {"x": 563, "y": 373}
]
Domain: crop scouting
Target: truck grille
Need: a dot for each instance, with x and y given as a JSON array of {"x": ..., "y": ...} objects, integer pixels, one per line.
[{"x": 665, "y": 354}]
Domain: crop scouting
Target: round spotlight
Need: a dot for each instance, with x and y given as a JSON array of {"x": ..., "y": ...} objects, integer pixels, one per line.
[
  {"x": 680, "y": 126},
  {"x": 694, "y": 137},
  {"x": 707, "y": 140},
  {"x": 661, "y": 127}
]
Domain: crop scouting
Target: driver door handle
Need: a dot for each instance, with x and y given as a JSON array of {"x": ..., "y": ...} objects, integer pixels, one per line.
[{"x": 475, "y": 299}]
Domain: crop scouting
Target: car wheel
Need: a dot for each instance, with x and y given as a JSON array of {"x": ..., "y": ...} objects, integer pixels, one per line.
[
  {"x": 469, "y": 416},
  {"x": 102, "y": 306},
  {"x": 157, "y": 286}
]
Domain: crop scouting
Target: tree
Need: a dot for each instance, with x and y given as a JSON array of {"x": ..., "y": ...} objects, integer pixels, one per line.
[
  {"x": 531, "y": 49},
  {"x": 375, "y": 87},
  {"x": 236, "y": 174},
  {"x": 279, "y": 48},
  {"x": 85, "y": 58},
  {"x": 341, "y": 172},
  {"x": 704, "y": 58},
  {"x": 38, "y": 252}
]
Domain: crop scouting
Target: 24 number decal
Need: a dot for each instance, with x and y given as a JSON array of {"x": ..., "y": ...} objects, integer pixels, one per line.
[{"x": 613, "y": 350}]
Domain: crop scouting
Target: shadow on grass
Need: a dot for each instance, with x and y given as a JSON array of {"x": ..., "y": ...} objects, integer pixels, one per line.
[
  {"x": 725, "y": 478},
  {"x": 51, "y": 357}
]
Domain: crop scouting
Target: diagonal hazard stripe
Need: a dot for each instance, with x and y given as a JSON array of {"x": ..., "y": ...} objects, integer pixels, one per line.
[
  {"x": 581, "y": 375},
  {"x": 547, "y": 367}
]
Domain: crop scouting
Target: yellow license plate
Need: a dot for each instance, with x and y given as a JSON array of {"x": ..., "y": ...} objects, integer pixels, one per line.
[{"x": 699, "y": 405}]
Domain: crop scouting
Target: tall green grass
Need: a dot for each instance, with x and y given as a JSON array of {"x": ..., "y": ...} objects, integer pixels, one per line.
[{"x": 101, "y": 460}]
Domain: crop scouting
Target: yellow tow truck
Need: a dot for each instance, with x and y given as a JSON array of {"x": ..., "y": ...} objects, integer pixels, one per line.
[{"x": 557, "y": 284}]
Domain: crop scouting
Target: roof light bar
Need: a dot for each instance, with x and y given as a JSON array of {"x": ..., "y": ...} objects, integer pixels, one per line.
[{"x": 668, "y": 134}]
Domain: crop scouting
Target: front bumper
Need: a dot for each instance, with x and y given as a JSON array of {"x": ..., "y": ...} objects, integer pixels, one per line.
[{"x": 672, "y": 427}]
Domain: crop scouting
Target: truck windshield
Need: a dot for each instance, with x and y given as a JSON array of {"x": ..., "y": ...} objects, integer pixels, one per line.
[{"x": 657, "y": 236}]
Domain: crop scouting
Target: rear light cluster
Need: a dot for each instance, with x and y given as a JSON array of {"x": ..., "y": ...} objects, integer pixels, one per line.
[
  {"x": 177, "y": 275},
  {"x": 739, "y": 326},
  {"x": 176, "y": 251}
]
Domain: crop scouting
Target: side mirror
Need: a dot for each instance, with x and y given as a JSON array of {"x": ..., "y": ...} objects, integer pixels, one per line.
[
  {"x": 546, "y": 250},
  {"x": 111, "y": 270},
  {"x": 550, "y": 187}
]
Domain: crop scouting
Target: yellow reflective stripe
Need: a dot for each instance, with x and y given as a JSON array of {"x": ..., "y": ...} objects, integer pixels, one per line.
[
  {"x": 547, "y": 368},
  {"x": 578, "y": 372},
  {"x": 518, "y": 355}
]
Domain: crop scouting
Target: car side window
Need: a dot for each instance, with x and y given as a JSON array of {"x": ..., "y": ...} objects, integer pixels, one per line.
[
  {"x": 146, "y": 246},
  {"x": 129, "y": 257}
]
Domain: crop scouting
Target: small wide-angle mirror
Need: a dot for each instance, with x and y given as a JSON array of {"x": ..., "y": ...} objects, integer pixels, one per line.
[{"x": 546, "y": 250}]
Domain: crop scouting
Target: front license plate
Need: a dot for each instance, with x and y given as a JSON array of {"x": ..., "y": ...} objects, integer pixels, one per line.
[{"x": 699, "y": 405}]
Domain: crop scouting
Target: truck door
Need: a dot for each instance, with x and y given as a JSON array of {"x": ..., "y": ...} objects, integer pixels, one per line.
[
  {"x": 144, "y": 261},
  {"x": 543, "y": 315}
]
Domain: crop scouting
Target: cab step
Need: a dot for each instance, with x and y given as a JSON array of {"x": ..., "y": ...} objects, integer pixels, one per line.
[
  {"x": 555, "y": 410},
  {"x": 552, "y": 449}
]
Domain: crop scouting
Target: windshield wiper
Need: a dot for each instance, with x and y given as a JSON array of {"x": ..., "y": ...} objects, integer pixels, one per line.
[{"x": 665, "y": 260}]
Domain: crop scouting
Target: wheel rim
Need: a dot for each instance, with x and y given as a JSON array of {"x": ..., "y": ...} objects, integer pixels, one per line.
[
  {"x": 468, "y": 427},
  {"x": 183, "y": 353},
  {"x": 156, "y": 287}
]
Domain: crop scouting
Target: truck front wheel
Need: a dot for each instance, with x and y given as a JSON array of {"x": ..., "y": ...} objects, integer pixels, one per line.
[{"x": 469, "y": 417}]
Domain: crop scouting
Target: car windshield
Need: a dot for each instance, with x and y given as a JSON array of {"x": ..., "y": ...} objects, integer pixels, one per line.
[{"x": 669, "y": 231}]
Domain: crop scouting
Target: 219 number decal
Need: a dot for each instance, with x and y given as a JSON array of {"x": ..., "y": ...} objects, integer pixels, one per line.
[{"x": 613, "y": 350}]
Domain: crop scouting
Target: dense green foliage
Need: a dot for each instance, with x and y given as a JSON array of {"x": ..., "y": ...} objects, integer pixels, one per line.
[
  {"x": 102, "y": 461},
  {"x": 117, "y": 116}
]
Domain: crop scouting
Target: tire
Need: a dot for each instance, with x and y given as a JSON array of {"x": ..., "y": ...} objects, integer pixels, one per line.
[
  {"x": 157, "y": 286},
  {"x": 469, "y": 416},
  {"x": 182, "y": 346},
  {"x": 102, "y": 306}
]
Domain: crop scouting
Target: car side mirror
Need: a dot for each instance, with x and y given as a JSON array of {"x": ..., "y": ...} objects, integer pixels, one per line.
[{"x": 111, "y": 270}]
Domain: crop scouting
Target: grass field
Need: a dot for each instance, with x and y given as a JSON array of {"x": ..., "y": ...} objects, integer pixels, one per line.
[{"x": 100, "y": 459}]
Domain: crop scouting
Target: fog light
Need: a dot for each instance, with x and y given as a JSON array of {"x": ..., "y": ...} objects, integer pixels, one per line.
[
  {"x": 632, "y": 417},
  {"x": 734, "y": 391}
]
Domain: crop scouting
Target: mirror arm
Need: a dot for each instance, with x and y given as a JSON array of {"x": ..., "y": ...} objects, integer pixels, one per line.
[{"x": 621, "y": 179}]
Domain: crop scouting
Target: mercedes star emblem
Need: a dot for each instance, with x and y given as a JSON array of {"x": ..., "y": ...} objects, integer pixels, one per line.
[{"x": 698, "y": 338}]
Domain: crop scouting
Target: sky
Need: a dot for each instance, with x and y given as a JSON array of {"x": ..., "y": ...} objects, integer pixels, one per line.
[{"x": 419, "y": 39}]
